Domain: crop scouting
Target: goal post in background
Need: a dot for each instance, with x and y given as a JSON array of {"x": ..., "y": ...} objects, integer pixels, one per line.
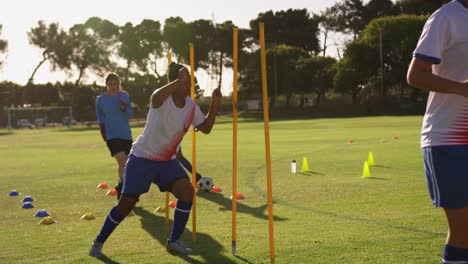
[{"x": 51, "y": 114}]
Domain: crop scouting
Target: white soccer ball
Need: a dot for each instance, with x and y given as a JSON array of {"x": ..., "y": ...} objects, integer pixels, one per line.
[{"x": 206, "y": 184}]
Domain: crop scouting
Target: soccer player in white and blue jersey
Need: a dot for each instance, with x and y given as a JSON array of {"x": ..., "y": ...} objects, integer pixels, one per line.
[
  {"x": 113, "y": 110},
  {"x": 153, "y": 157},
  {"x": 440, "y": 66}
]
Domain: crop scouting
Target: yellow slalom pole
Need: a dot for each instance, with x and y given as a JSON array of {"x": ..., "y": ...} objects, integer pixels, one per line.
[
  {"x": 169, "y": 61},
  {"x": 267, "y": 142},
  {"x": 194, "y": 146},
  {"x": 234, "y": 139}
]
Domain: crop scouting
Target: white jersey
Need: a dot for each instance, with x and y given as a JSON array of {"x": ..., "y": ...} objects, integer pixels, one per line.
[
  {"x": 444, "y": 41},
  {"x": 164, "y": 129}
]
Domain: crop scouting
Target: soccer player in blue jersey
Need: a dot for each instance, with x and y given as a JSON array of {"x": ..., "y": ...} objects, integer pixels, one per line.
[
  {"x": 440, "y": 66},
  {"x": 113, "y": 109},
  {"x": 153, "y": 156}
]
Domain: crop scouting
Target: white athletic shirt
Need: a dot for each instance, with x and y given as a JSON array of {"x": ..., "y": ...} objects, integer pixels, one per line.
[
  {"x": 444, "y": 41},
  {"x": 164, "y": 129}
]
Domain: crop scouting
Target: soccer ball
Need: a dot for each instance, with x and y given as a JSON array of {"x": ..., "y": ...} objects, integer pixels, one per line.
[{"x": 206, "y": 184}]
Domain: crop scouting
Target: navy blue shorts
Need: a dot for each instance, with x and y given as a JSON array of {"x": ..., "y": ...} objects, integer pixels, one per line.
[
  {"x": 447, "y": 175},
  {"x": 140, "y": 173}
]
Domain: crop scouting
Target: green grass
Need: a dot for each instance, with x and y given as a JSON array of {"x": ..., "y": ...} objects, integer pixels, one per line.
[{"x": 329, "y": 215}]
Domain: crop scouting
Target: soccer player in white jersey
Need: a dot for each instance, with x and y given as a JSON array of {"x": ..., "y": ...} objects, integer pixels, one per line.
[
  {"x": 153, "y": 157},
  {"x": 440, "y": 66}
]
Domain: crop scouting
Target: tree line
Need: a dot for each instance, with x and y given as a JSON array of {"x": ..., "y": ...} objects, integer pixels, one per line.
[{"x": 371, "y": 69}]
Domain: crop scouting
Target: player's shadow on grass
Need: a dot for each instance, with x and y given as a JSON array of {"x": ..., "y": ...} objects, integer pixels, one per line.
[
  {"x": 205, "y": 246},
  {"x": 226, "y": 203},
  {"x": 107, "y": 260}
]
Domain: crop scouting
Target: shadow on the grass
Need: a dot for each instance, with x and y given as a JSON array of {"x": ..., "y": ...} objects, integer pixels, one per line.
[
  {"x": 226, "y": 203},
  {"x": 6, "y": 133},
  {"x": 107, "y": 260},
  {"x": 375, "y": 178},
  {"x": 206, "y": 247},
  {"x": 309, "y": 173}
]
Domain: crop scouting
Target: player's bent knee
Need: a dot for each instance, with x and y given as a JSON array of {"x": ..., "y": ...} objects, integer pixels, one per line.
[
  {"x": 126, "y": 204},
  {"x": 183, "y": 190}
]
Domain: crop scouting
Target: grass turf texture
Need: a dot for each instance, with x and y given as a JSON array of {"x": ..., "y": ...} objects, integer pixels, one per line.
[{"x": 327, "y": 215}]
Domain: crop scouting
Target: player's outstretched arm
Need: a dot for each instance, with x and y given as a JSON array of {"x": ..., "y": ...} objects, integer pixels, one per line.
[{"x": 206, "y": 126}]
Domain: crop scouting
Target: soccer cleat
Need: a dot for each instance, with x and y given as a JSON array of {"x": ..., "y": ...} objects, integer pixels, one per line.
[
  {"x": 96, "y": 249},
  {"x": 178, "y": 247}
]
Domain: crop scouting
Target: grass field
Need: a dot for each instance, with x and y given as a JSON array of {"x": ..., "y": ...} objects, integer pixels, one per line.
[{"x": 329, "y": 215}]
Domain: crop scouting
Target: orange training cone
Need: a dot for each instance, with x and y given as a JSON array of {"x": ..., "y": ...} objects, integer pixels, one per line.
[
  {"x": 239, "y": 196},
  {"x": 102, "y": 186},
  {"x": 216, "y": 189},
  {"x": 111, "y": 192},
  {"x": 172, "y": 204}
]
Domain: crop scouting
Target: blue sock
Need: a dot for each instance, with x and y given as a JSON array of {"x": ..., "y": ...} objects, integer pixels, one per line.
[
  {"x": 452, "y": 253},
  {"x": 181, "y": 216},
  {"x": 112, "y": 221}
]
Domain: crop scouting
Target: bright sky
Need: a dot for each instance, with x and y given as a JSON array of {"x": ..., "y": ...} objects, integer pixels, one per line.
[{"x": 18, "y": 17}]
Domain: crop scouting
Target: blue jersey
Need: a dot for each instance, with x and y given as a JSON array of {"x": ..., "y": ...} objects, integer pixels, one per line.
[{"x": 115, "y": 121}]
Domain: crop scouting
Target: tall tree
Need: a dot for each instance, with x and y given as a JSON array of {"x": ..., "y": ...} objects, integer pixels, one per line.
[
  {"x": 3, "y": 46},
  {"x": 129, "y": 47},
  {"x": 316, "y": 76},
  {"x": 325, "y": 26},
  {"x": 282, "y": 72},
  {"x": 56, "y": 46},
  {"x": 359, "y": 63},
  {"x": 400, "y": 35},
  {"x": 360, "y": 70},
  {"x": 151, "y": 41},
  {"x": 379, "y": 8},
  {"x": 293, "y": 27},
  {"x": 418, "y": 7},
  {"x": 203, "y": 38},
  {"x": 348, "y": 17},
  {"x": 93, "y": 44},
  {"x": 140, "y": 46},
  {"x": 222, "y": 47},
  {"x": 177, "y": 34}
]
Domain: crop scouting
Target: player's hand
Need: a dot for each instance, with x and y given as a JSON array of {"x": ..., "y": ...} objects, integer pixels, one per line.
[
  {"x": 123, "y": 105},
  {"x": 103, "y": 131},
  {"x": 216, "y": 96}
]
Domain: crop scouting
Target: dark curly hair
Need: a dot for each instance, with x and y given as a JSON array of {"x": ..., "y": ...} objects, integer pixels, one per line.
[{"x": 173, "y": 70}]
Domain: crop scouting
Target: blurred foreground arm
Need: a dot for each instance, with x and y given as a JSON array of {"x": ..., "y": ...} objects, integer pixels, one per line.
[{"x": 420, "y": 75}]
